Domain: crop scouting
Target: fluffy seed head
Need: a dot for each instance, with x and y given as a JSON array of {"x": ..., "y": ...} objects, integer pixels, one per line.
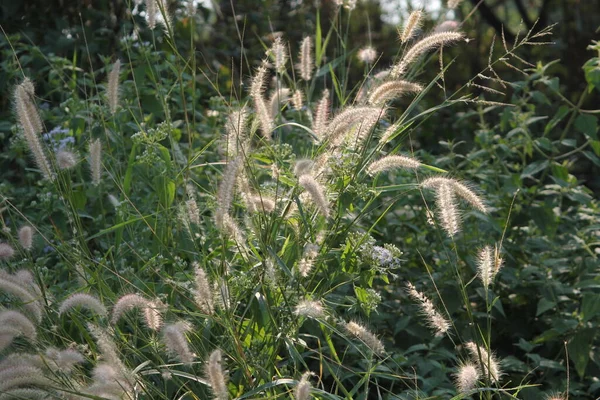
[
  {"x": 216, "y": 375},
  {"x": 236, "y": 138},
  {"x": 310, "y": 309},
  {"x": 153, "y": 315},
  {"x": 31, "y": 123},
  {"x": 317, "y": 193},
  {"x": 26, "y": 237},
  {"x": 113, "y": 87},
  {"x": 302, "y": 391},
  {"x": 279, "y": 99},
  {"x": 321, "y": 117},
  {"x": 489, "y": 366},
  {"x": 303, "y": 166},
  {"x": 25, "y": 292},
  {"x": 466, "y": 378},
  {"x": 65, "y": 159},
  {"x": 359, "y": 331},
  {"x": 412, "y": 25},
  {"x": 392, "y": 162},
  {"x": 6, "y": 251},
  {"x": 448, "y": 210},
  {"x": 203, "y": 294},
  {"x": 297, "y": 99},
  {"x": 435, "y": 320},
  {"x": 262, "y": 110},
  {"x": 485, "y": 265},
  {"x": 446, "y": 26},
  {"x": 279, "y": 53},
  {"x": 367, "y": 55},
  {"x": 391, "y": 90},
  {"x": 95, "y": 150},
  {"x": 459, "y": 189},
  {"x": 151, "y": 13},
  {"x": 126, "y": 303},
  {"x": 176, "y": 342},
  {"x": 363, "y": 116},
  {"x": 432, "y": 41},
  {"x": 306, "y": 65},
  {"x": 83, "y": 300},
  {"x": 226, "y": 191},
  {"x": 18, "y": 321}
]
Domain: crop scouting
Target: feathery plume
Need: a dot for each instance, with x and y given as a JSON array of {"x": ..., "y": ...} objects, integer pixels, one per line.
[
  {"x": 95, "y": 150},
  {"x": 7, "y": 335},
  {"x": 216, "y": 375},
  {"x": 18, "y": 321},
  {"x": 303, "y": 166},
  {"x": 226, "y": 191},
  {"x": 305, "y": 265},
  {"x": 21, "y": 376},
  {"x": 459, "y": 189},
  {"x": 306, "y": 65},
  {"x": 446, "y": 205},
  {"x": 391, "y": 90},
  {"x": 126, "y": 303},
  {"x": 485, "y": 264},
  {"x": 153, "y": 315},
  {"x": 446, "y": 26},
  {"x": 426, "y": 44},
  {"x": 65, "y": 159},
  {"x": 302, "y": 391},
  {"x": 466, "y": 378},
  {"x": 108, "y": 349},
  {"x": 309, "y": 309},
  {"x": 556, "y": 396},
  {"x": 236, "y": 138},
  {"x": 30, "y": 122},
  {"x": 435, "y": 320},
  {"x": 317, "y": 193},
  {"x": 279, "y": 98},
  {"x": 412, "y": 25},
  {"x": 113, "y": 87},
  {"x": 279, "y": 53},
  {"x": 151, "y": 13},
  {"x": 256, "y": 92},
  {"x": 203, "y": 295},
  {"x": 25, "y": 393},
  {"x": 359, "y": 331},
  {"x": 367, "y": 55},
  {"x": 260, "y": 203},
  {"x": 298, "y": 99},
  {"x": 392, "y": 162},
  {"x": 350, "y": 117},
  {"x": 489, "y": 366},
  {"x": 176, "y": 342},
  {"x": 321, "y": 118},
  {"x": 13, "y": 286},
  {"x": 6, "y": 251},
  {"x": 83, "y": 300},
  {"x": 65, "y": 360},
  {"x": 454, "y": 3}
]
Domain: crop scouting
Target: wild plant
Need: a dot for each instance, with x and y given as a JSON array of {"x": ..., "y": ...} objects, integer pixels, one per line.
[{"x": 247, "y": 242}]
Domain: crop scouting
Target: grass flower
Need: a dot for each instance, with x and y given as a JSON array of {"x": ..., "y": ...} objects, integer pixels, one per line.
[
  {"x": 151, "y": 13},
  {"x": 321, "y": 117},
  {"x": 203, "y": 295},
  {"x": 316, "y": 192},
  {"x": 348, "y": 118},
  {"x": 297, "y": 99},
  {"x": 412, "y": 25},
  {"x": 236, "y": 137},
  {"x": 12, "y": 285},
  {"x": 83, "y": 300},
  {"x": 489, "y": 366},
  {"x": 391, "y": 90},
  {"x": 367, "y": 55},
  {"x": 176, "y": 342},
  {"x": 279, "y": 53},
  {"x": 126, "y": 303},
  {"x": 466, "y": 378},
  {"x": 359, "y": 331},
  {"x": 392, "y": 162},
  {"x": 432, "y": 41},
  {"x": 302, "y": 391},
  {"x": 262, "y": 110},
  {"x": 113, "y": 87},
  {"x": 95, "y": 150},
  {"x": 459, "y": 189},
  {"x": 65, "y": 159},
  {"x": 306, "y": 65},
  {"x": 26, "y": 237},
  {"x": 6, "y": 251},
  {"x": 31, "y": 124},
  {"x": 18, "y": 321},
  {"x": 216, "y": 375},
  {"x": 435, "y": 320},
  {"x": 310, "y": 309}
]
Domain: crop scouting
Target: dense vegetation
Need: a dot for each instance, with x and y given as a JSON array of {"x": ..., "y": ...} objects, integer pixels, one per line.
[{"x": 299, "y": 201}]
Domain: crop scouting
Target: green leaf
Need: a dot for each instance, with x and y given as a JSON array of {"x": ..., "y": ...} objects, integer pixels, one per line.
[
  {"x": 534, "y": 168},
  {"x": 590, "y": 306},
  {"x": 543, "y": 306},
  {"x": 579, "y": 350},
  {"x": 592, "y": 72},
  {"x": 559, "y": 116},
  {"x": 588, "y": 125}
]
